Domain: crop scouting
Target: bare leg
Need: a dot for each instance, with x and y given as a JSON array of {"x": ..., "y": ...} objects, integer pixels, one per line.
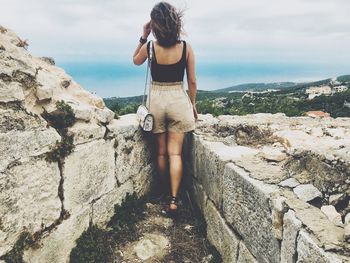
[
  {"x": 162, "y": 161},
  {"x": 174, "y": 146}
]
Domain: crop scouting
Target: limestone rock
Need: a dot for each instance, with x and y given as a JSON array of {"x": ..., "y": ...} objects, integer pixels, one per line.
[
  {"x": 88, "y": 174},
  {"x": 241, "y": 197},
  {"x": 48, "y": 60},
  {"x": 85, "y": 132},
  {"x": 220, "y": 235},
  {"x": 332, "y": 214},
  {"x": 127, "y": 124},
  {"x": 23, "y": 135},
  {"x": 151, "y": 246},
  {"x": 307, "y": 192},
  {"x": 44, "y": 93},
  {"x": 290, "y": 182},
  {"x": 28, "y": 199},
  {"x": 81, "y": 111},
  {"x": 244, "y": 255},
  {"x": 309, "y": 251},
  {"x": 57, "y": 245},
  {"x": 104, "y": 115},
  {"x": 291, "y": 227},
  {"x": 11, "y": 92},
  {"x": 278, "y": 209},
  {"x": 103, "y": 208},
  {"x": 329, "y": 235},
  {"x": 272, "y": 154}
]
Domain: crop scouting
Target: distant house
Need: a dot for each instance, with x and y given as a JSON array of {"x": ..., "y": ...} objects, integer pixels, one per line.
[
  {"x": 341, "y": 88},
  {"x": 317, "y": 114},
  {"x": 317, "y": 91}
]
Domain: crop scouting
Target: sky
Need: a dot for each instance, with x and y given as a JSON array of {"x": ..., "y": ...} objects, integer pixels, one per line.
[{"x": 306, "y": 39}]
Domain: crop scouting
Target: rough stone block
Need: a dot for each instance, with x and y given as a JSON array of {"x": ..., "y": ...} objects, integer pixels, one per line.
[
  {"x": 220, "y": 235},
  {"x": 57, "y": 245},
  {"x": 44, "y": 92},
  {"x": 309, "y": 251},
  {"x": 103, "y": 208},
  {"x": 210, "y": 160},
  {"x": 132, "y": 155},
  {"x": 85, "y": 132},
  {"x": 291, "y": 227},
  {"x": 126, "y": 124},
  {"x": 23, "y": 135},
  {"x": 307, "y": 192},
  {"x": 28, "y": 199},
  {"x": 143, "y": 180},
  {"x": 11, "y": 92},
  {"x": 88, "y": 173},
  {"x": 199, "y": 195},
  {"x": 244, "y": 255},
  {"x": 104, "y": 115},
  {"x": 246, "y": 208}
]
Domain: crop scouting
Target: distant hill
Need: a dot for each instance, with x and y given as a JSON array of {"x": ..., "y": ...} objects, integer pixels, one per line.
[
  {"x": 288, "y": 86},
  {"x": 257, "y": 86},
  {"x": 344, "y": 78},
  {"x": 117, "y": 103}
]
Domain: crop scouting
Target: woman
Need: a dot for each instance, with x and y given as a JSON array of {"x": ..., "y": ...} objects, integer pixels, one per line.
[{"x": 174, "y": 111}]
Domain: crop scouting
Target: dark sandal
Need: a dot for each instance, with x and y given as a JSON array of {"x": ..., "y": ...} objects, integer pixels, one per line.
[{"x": 169, "y": 211}]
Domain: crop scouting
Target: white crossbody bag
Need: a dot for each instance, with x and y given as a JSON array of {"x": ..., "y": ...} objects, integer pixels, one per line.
[{"x": 143, "y": 113}]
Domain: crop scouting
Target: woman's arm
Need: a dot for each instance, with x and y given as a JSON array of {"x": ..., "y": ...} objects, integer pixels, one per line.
[
  {"x": 191, "y": 78},
  {"x": 140, "y": 54}
]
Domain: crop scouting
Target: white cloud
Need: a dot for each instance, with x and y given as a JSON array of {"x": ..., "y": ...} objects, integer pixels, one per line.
[{"x": 310, "y": 30}]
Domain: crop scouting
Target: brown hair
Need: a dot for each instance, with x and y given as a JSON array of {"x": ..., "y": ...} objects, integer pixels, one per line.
[{"x": 166, "y": 24}]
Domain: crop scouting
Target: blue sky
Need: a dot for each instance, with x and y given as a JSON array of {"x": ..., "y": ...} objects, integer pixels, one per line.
[{"x": 248, "y": 40}]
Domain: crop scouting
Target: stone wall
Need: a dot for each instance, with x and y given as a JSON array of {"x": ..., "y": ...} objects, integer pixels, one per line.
[
  {"x": 53, "y": 200},
  {"x": 259, "y": 181}
]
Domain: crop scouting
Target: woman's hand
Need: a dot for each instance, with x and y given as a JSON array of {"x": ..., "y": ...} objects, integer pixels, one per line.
[
  {"x": 146, "y": 30},
  {"x": 195, "y": 113}
]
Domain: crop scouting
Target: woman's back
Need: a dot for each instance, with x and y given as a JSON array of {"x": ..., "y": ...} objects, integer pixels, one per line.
[{"x": 168, "y": 64}]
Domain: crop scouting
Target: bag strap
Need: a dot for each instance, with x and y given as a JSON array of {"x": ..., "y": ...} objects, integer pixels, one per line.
[{"x": 149, "y": 63}]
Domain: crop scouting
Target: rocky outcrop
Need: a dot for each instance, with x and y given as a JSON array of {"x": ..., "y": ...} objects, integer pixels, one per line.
[
  {"x": 55, "y": 180},
  {"x": 272, "y": 188}
]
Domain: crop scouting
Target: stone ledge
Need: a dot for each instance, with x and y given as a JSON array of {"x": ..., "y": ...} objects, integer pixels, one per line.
[{"x": 254, "y": 207}]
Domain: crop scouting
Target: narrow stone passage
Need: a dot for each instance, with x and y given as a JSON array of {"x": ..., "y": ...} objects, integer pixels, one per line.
[{"x": 163, "y": 239}]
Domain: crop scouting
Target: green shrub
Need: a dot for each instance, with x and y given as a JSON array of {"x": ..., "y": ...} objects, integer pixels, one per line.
[{"x": 63, "y": 118}]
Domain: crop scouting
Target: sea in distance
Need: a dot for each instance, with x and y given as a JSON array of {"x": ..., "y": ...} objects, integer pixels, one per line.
[{"x": 113, "y": 79}]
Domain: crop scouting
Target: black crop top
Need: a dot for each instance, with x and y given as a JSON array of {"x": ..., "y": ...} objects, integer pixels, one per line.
[{"x": 170, "y": 72}]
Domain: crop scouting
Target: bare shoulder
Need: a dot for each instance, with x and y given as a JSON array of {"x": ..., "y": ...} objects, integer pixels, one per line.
[{"x": 189, "y": 50}]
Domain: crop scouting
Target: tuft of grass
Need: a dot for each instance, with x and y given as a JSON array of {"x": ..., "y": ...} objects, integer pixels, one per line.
[
  {"x": 93, "y": 246},
  {"x": 96, "y": 245}
]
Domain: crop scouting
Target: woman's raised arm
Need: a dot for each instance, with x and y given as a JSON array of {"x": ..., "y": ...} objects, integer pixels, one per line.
[{"x": 140, "y": 54}]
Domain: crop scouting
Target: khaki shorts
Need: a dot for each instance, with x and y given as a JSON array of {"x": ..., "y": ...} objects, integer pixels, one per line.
[{"x": 171, "y": 107}]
